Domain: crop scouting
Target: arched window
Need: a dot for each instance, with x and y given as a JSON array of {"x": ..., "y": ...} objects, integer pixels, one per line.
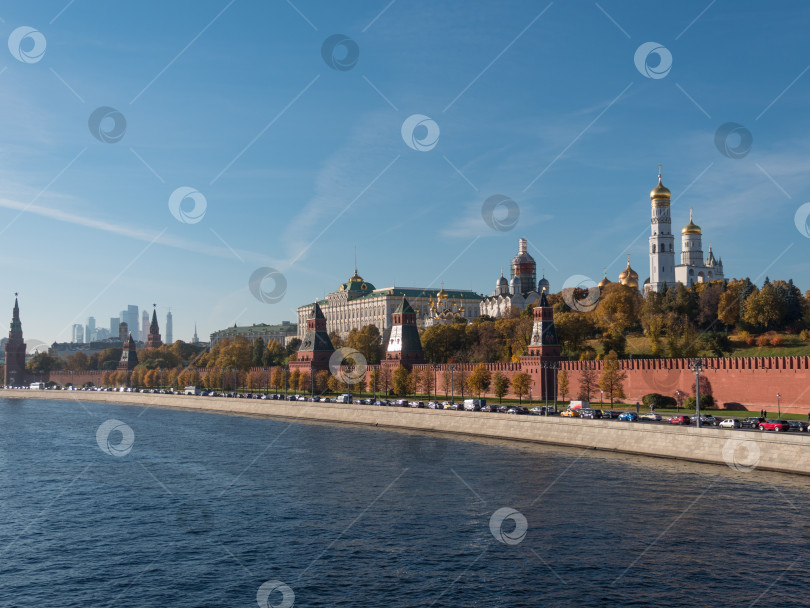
[{"x": 653, "y": 249}]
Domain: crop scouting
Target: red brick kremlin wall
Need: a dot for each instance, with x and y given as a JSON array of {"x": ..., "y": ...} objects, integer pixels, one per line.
[{"x": 750, "y": 381}]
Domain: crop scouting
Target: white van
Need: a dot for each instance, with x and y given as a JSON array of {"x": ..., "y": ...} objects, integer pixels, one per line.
[
  {"x": 344, "y": 398},
  {"x": 191, "y": 390},
  {"x": 474, "y": 405},
  {"x": 37, "y": 386}
]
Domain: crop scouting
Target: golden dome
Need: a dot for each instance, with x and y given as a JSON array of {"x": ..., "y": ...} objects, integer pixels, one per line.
[
  {"x": 604, "y": 282},
  {"x": 691, "y": 227},
  {"x": 660, "y": 193},
  {"x": 442, "y": 294},
  {"x": 628, "y": 276},
  {"x": 356, "y": 278}
]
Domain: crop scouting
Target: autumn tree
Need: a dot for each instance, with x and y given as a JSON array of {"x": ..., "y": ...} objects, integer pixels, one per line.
[
  {"x": 257, "y": 352},
  {"x": 562, "y": 383},
  {"x": 612, "y": 379},
  {"x": 368, "y": 342},
  {"x": 764, "y": 309},
  {"x": 304, "y": 382},
  {"x": 277, "y": 378},
  {"x": 587, "y": 382},
  {"x": 322, "y": 381},
  {"x": 274, "y": 354},
  {"x": 479, "y": 379},
  {"x": 500, "y": 385},
  {"x": 521, "y": 382},
  {"x": 402, "y": 381}
]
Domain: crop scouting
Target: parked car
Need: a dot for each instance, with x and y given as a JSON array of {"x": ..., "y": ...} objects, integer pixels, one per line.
[
  {"x": 706, "y": 419},
  {"x": 797, "y": 425},
  {"x": 570, "y": 413},
  {"x": 774, "y": 425},
  {"x": 518, "y": 409},
  {"x": 489, "y": 408},
  {"x": 651, "y": 417},
  {"x": 730, "y": 423},
  {"x": 751, "y": 423},
  {"x": 628, "y": 417},
  {"x": 590, "y": 413},
  {"x": 679, "y": 420},
  {"x": 610, "y": 414}
]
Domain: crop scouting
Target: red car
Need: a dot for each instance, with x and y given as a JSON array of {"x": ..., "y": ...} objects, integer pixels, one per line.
[
  {"x": 774, "y": 425},
  {"x": 680, "y": 420}
]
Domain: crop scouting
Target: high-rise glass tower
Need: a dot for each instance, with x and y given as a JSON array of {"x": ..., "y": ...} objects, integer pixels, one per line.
[{"x": 169, "y": 328}]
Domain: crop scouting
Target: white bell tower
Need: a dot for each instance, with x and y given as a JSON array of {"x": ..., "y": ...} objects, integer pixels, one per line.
[{"x": 662, "y": 242}]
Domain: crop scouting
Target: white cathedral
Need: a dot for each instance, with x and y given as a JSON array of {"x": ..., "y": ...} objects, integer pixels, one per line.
[{"x": 663, "y": 270}]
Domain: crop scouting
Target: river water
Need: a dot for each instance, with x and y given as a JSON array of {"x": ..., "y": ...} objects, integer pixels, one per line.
[{"x": 106, "y": 505}]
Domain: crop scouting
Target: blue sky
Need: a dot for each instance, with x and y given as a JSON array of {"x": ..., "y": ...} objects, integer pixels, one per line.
[{"x": 300, "y": 163}]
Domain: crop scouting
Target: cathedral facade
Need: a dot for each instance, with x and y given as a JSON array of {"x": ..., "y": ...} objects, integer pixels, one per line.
[
  {"x": 520, "y": 290},
  {"x": 693, "y": 268}
]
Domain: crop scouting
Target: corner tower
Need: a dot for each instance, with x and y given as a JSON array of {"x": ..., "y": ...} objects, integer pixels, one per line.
[
  {"x": 316, "y": 347},
  {"x": 15, "y": 350},
  {"x": 153, "y": 340},
  {"x": 662, "y": 242}
]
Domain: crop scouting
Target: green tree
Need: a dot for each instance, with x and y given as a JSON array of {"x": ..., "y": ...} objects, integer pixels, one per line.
[
  {"x": 43, "y": 362},
  {"x": 257, "y": 352},
  {"x": 500, "y": 385},
  {"x": 274, "y": 354},
  {"x": 368, "y": 341}
]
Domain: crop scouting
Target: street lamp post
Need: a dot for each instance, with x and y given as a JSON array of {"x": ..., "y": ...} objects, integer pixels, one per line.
[
  {"x": 284, "y": 370},
  {"x": 677, "y": 401},
  {"x": 530, "y": 396},
  {"x": 697, "y": 367},
  {"x": 452, "y": 388},
  {"x": 779, "y": 405},
  {"x": 601, "y": 397},
  {"x": 435, "y": 388}
]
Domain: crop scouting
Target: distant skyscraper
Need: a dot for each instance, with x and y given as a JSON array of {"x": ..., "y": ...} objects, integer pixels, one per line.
[
  {"x": 78, "y": 334},
  {"x": 169, "y": 328},
  {"x": 144, "y": 326},
  {"x": 90, "y": 334},
  {"x": 114, "y": 323},
  {"x": 130, "y": 317},
  {"x": 123, "y": 331}
]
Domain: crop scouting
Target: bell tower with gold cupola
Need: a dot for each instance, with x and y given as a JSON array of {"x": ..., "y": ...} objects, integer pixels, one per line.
[{"x": 662, "y": 242}]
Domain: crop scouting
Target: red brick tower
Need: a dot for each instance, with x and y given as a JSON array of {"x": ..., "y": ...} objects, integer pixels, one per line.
[
  {"x": 544, "y": 350},
  {"x": 129, "y": 356},
  {"x": 15, "y": 350},
  {"x": 404, "y": 345},
  {"x": 316, "y": 347},
  {"x": 153, "y": 340}
]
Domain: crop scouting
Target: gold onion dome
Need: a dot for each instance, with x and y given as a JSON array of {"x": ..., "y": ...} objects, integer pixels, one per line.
[
  {"x": 660, "y": 193},
  {"x": 691, "y": 227},
  {"x": 604, "y": 282},
  {"x": 628, "y": 276}
]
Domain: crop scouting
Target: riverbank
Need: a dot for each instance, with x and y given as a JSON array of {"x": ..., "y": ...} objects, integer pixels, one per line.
[{"x": 741, "y": 450}]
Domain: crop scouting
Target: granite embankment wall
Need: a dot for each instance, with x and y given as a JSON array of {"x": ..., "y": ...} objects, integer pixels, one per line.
[{"x": 742, "y": 450}]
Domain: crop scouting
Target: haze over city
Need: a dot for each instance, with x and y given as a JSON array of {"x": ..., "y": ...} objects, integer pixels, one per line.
[{"x": 293, "y": 144}]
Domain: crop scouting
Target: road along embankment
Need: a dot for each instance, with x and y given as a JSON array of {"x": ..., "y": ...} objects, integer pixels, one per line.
[{"x": 741, "y": 450}]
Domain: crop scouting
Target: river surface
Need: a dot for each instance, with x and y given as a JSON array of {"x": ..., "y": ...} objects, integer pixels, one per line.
[{"x": 106, "y": 505}]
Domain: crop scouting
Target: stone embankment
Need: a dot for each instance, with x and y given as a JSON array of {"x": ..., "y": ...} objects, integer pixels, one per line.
[{"x": 741, "y": 450}]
